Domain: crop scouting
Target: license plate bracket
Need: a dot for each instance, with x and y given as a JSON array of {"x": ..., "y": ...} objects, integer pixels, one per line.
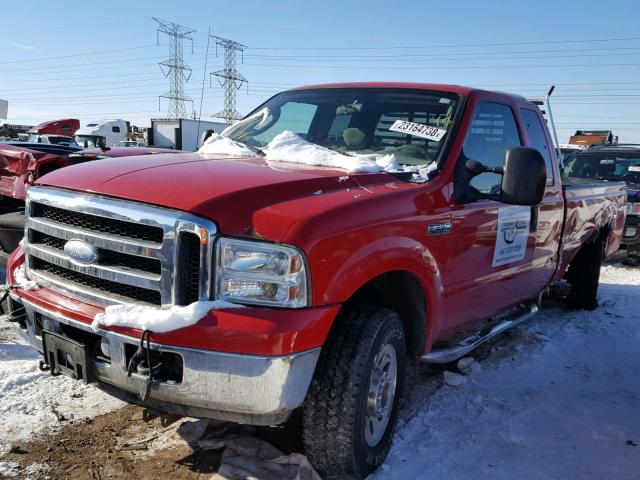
[{"x": 68, "y": 357}]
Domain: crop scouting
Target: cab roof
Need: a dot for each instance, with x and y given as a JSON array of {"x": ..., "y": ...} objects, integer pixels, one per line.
[{"x": 410, "y": 85}]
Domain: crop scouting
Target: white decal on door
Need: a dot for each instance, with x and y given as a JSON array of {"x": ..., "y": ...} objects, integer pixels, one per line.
[{"x": 513, "y": 233}]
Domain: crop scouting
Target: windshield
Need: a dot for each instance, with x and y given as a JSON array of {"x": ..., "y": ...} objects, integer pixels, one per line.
[
  {"x": 61, "y": 141},
  {"x": 409, "y": 124},
  {"x": 624, "y": 166},
  {"x": 90, "y": 141}
]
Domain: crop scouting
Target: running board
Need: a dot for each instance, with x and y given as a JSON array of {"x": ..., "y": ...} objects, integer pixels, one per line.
[{"x": 467, "y": 345}]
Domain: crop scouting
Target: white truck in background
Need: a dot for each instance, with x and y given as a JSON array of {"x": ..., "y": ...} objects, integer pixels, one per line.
[
  {"x": 181, "y": 133},
  {"x": 104, "y": 133}
]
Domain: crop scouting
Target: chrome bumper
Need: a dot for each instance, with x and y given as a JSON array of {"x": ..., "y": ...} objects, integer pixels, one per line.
[{"x": 252, "y": 389}]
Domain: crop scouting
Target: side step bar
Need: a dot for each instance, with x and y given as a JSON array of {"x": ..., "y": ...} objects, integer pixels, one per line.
[{"x": 467, "y": 345}]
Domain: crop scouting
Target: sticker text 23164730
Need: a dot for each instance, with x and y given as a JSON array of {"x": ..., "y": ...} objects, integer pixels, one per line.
[{"x": 418, "y": 130}]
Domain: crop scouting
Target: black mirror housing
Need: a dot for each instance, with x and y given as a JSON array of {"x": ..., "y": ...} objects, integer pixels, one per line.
[{"x": 524, "y": 178}]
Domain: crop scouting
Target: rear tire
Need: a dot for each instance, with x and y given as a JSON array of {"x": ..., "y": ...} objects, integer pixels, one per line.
[
  {"x": 352, "y": 405},
  {"x": 584, "y": 276},
  {"x": 633, "y": 256}
]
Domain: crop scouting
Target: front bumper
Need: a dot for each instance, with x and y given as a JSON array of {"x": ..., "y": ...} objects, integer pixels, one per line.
[{"x": 254, "y": 389}]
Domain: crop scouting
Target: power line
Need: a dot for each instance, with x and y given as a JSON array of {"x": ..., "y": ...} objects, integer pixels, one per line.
[
  {"x": 445, "y": 54},
  {"x": 475, "y": 58},
  {"x": 487, "y": 67},
  {"x": 92, "y": 85},
  {"x": 63, "y": 79},
  {"x": 204, "y": 79},
  {"x": 99, "y": 52},
  {"x": 83, "y": 65},
  {"x": 458, "y": 45},
  {"x": 95, "y": 52}
]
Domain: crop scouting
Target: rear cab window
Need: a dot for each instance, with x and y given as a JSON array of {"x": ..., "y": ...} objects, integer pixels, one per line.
[{"x": 538, "y": 139}]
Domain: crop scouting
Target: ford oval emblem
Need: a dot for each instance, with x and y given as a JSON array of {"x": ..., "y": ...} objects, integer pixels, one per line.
[{"x": 81, "y": 252}]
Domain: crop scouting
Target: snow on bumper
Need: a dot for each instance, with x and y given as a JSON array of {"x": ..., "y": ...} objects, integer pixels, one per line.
[{"x": 254, "y": 389}]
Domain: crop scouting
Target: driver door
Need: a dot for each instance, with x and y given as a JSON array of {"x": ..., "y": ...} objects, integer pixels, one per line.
[{"x": 492, "y": 247}]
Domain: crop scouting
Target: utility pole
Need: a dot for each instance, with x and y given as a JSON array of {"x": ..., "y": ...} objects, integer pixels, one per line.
[
  {"x": 174, "y": 67},
  {"x": 229, "y": 78}
]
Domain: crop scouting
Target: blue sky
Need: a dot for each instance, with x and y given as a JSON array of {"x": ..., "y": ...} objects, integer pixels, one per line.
[{"x": 99, "y": 60}]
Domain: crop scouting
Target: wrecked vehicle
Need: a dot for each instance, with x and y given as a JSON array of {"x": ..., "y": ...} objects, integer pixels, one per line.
[
  {"x": 614, "y": 163},
  {"x": 22, "y": 164},
  {"x": 55, "y": 132},
  {"x": 298, "y": 260}
]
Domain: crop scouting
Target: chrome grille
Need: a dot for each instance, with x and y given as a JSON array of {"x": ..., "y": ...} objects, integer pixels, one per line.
[
  {"x": 141, "y": 249},
  {"x": 97, "y": 224}
]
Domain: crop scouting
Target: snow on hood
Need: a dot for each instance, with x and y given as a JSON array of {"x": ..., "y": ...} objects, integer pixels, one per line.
[
  {"x": 216, "y": 144},
  {"x": 157, "y": 320},
  {"x": 291, "y": 148}
]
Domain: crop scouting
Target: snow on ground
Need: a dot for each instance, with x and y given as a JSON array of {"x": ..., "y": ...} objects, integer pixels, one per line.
[
  {"x": 560, "y": 399},
  {"x": 557, "y": 398},
  {"x": 32, "y": 401}
]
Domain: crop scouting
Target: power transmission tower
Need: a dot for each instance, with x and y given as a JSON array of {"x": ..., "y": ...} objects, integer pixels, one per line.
[
  {"x": 229, "y": 78},
  {"x": 174, "y": 67}
]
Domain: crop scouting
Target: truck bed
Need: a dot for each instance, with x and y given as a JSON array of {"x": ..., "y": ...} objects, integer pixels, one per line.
[{"x": 591, "y": 205}]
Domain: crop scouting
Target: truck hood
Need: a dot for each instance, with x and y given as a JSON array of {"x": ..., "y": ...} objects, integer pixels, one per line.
[{"x": 244, "y": 196}]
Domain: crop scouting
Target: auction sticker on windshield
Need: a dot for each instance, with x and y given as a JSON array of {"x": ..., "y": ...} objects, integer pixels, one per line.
[
  {"x": 418, "y": 130},
  {"x": 634, "y": 168},
  {"x": 513, "y": 233}
]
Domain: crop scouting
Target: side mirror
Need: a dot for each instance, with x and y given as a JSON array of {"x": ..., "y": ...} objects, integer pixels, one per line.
[{"x": 524, "y": 178}]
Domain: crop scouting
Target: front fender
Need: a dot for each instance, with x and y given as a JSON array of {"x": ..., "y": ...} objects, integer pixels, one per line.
[{"x": 338, "y": 276}]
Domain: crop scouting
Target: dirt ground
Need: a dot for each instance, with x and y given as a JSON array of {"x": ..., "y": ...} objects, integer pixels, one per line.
[
  {"x": 123, "y": 444},
  {"x": 116, "y": 445}
]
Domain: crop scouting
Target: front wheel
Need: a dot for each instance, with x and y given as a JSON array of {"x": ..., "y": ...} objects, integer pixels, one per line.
[{"x": 352, "y": 405}]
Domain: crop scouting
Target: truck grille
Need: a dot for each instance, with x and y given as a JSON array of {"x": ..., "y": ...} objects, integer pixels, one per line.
[
  {"x": 93, "y": 223},
  {"x": 119, "y": 291},
  {"x": 144, "y": 255}
]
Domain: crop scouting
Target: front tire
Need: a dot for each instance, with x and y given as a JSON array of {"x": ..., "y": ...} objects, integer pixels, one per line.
[{"x": 352, "y": 404}]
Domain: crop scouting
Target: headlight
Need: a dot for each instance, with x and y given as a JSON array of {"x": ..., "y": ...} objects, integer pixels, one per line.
[
  {"x": 633, "y": 208},
  {"x": 261, "y": 274}
]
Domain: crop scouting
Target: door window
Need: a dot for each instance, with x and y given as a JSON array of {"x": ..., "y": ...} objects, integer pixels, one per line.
[{"x": 493, "y": 131}]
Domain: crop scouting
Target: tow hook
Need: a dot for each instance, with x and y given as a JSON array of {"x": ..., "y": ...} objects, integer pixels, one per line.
[
  {"x": 45, "y": 367},
  {"x": 140, "y": 362},
  {"x": 10, "y": 315}
]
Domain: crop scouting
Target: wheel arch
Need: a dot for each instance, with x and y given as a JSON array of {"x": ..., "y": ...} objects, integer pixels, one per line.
[{"x": 402, "y": 292}]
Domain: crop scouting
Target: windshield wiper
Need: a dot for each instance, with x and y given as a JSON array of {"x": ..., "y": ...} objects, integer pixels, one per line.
[{"x": 254, "y": 149}]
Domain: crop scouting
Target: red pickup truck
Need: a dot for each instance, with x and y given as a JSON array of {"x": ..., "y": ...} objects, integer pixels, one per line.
[{"x": 357, "y": 225}]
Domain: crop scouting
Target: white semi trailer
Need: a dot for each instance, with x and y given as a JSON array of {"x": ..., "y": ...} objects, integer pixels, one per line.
[{"x": 105, "y": 133}]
